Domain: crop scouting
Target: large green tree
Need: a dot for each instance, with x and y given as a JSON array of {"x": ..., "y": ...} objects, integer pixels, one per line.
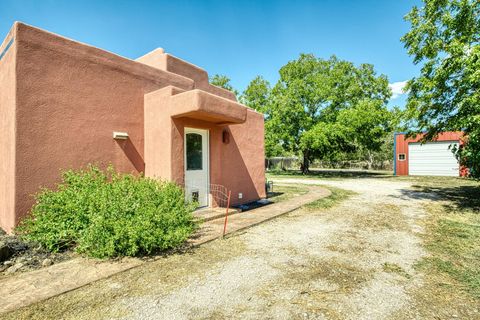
[
  {"x": 445, "y": 40},
  {"x": 367, "y": 124},
  {"x": 327, "y": 141},
  {"x": 257, "y": 95},
  {"x": 313, "y": 91}
]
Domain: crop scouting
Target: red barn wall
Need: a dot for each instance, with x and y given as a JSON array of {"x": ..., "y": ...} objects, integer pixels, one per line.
[{"x": 401, "y": 146}]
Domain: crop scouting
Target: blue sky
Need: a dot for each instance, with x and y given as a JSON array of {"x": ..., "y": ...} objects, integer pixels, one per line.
[{"x": 240, "y": 39}]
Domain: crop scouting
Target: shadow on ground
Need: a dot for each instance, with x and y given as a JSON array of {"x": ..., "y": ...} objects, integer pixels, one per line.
[
  {"x": 458, "y": 197},
  {"x": 272, "y": 195}
]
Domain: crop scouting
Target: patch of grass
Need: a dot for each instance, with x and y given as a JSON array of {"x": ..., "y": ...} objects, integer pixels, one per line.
[
  {"x": 453, "y": 230},
  {"x": 282, "y": 193},
  {"x": 435, "y": 181},
  {"x": 395, "y": 268},
  {"x": 454, "y": 242},
  {"x": 338, "y": 195},
  {"x": 339, "y": 275},
  {"x": 382, "y": 216}
]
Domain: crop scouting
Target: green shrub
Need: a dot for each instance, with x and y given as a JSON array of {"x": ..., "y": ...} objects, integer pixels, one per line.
[{"x": 106, "y": 214}]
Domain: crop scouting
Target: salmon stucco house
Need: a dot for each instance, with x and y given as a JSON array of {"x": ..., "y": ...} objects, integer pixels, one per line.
[{"x": 64, "y": 104}]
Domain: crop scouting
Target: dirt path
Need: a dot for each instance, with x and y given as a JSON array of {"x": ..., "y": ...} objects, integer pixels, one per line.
[{"x": 353, "y": 261}]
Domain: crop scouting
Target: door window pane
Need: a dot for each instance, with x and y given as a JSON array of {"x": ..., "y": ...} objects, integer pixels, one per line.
[{"x": 194, "y": 151}]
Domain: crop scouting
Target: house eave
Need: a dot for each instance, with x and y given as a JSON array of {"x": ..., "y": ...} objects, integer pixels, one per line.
[{"x": 201, "y": 105}]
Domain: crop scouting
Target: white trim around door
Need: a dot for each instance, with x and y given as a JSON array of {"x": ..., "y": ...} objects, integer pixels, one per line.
[{"x": 197, "y": 165}]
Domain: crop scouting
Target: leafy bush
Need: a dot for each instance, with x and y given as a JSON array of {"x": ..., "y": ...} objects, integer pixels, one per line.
[{"x": 107, "y": 214}]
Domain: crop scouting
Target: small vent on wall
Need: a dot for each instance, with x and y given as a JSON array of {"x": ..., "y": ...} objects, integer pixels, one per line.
[{"x": 195, "y": 196}]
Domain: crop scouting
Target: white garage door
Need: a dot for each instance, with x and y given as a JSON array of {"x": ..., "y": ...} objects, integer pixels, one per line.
[{"x": 432, "y": 159}]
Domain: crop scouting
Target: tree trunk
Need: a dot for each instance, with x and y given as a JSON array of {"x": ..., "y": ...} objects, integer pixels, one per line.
[
  {"x": 305, "y": 167},
  {"x": 370, "y": 160}
]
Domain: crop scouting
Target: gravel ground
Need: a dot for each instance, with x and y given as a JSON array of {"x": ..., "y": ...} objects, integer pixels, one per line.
[{"x": 352, "y": 261}]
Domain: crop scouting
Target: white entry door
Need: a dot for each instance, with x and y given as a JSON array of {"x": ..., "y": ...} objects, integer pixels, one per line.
[
  {"x": 196, "y": 165},
  {"x": 432, "y": 159}
]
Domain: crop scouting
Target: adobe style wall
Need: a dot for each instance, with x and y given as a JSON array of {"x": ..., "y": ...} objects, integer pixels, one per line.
[
  {"x": 61, "y": 101},
  {"x": 70, "y": 99},
  {"x": 164, "y": 61},
  {"x": 7, "y": 130},
  {"x": 237, "y": 164},
  {"x": 243, "y": 159}
]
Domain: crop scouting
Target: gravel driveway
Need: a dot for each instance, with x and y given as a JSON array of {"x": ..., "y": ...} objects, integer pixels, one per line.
[{"x": 352, "y": 261}]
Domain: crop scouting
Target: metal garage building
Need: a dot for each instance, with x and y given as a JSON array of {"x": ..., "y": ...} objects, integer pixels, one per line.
[{"x": 433, "y": 158}]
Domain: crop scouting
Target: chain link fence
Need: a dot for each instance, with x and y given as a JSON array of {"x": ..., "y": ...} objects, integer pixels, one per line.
[{"x": 293, "y": 163}]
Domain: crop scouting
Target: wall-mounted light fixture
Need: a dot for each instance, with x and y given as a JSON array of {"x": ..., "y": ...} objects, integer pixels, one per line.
[
  {"x": 226, "y": 136},
  {"x": 120, "y": 135}
]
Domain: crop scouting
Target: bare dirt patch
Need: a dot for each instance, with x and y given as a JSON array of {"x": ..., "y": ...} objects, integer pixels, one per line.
[{"x": 20, "y": 256}]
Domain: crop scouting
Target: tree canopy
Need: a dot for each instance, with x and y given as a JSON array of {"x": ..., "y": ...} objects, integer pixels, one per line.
[
  {"x": 311, "y": 109},
  {"x": 367, "y": 124},
  {"x": 445, "y": 40},
  {"x": 257, "y": 95}
]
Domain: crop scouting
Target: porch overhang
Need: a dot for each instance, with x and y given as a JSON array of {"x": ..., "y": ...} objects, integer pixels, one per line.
[{"x": 201, "y": 105}]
